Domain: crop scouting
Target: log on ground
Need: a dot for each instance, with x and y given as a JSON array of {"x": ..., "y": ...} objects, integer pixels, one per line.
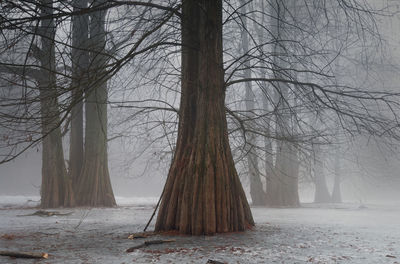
[
  {"x": 148, "y": 243},
  {"x": 15, "y": 254}
]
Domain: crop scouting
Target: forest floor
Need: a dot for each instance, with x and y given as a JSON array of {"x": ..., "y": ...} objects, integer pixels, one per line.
[{"x": 334, "y": 233}]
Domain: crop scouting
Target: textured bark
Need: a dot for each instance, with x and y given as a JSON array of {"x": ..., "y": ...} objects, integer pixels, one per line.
[
  {"x": 80, "y": 59},
  {"x": 203, "y": 193},
  {"x": 56, "y": 190},
  {"x": 321, "y": 189},
  {"x": 94, "y": 183},
  {"x": 256, "y": 187}
]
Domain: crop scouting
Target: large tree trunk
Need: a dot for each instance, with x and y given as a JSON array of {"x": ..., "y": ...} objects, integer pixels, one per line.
[
  {"x": 321, "y": 189},
  {"x": 94, "y": 184},
  {"x": 282, "y": 188},
  {"x": 203, "y": 193},
  {"x": 56, "y": 188},
  {"x": 256, "y": 187},
  {"x": 80, "y": 59}
]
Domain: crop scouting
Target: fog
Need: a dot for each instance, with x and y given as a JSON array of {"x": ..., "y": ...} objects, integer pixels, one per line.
[
  {"x": 371, "y": 176},
  {"x": 200, "y": 131}
]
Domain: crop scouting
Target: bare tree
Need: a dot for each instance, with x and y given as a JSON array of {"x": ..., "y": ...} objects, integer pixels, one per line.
[
  {"x": 287, "y": 61},
  {"x": 321, "y": 189},
  {"x": 203, "y": 194},
  {"x": 94, "y": 182},
  {"x": 79, "y": 79},
  {"x": 256, "y": 187}
]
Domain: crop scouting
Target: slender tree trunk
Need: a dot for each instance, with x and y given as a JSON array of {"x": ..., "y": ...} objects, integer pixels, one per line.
[
  {"x": 321, "y": 189},
  {"x": 256, "y": 188},
  {"x": 56, "y": 188},
  {"x": 80, "y": 59},
  {"x": 203, "y": 193},
  {"x": 94, "y": 184}
]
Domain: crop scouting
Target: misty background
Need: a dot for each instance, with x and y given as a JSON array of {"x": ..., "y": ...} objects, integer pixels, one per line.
[{"x": 370, "y": 168}]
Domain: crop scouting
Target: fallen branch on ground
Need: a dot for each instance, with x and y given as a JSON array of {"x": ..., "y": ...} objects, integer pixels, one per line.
[
  {"x": 15, "y": 254},
  {"x": 210, "y": 261},
  {"x": 47, "y": 213},
  {"x": 141, "y": 235},
  {"x": 148, "y": 243}
]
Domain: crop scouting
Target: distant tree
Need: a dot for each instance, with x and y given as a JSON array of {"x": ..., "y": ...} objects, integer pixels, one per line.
[
  {"x": 79, "y": 82},
  {"x": 289, "y": 61},
  {"x": 256, "y": 187},
  {"x": 321, "y": 189},
  {"x": 56, "y": 188},
  {"x": 336, "y": 193},
  {"x": 282, "y": 187},
  {"x": 94, "y": 181}
]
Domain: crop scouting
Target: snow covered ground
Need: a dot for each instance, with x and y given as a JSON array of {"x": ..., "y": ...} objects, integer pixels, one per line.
[{"x": 335, "y": 233}]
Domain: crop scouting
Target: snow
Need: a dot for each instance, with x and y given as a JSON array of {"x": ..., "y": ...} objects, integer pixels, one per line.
[
  {"x": 19, "y": 201},
  {"x": 333, "y": 233},
  {"x": 8, "y": 201}
]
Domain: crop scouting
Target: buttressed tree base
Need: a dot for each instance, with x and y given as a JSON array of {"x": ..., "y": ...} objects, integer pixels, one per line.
[{"x": 203, "y": 193}]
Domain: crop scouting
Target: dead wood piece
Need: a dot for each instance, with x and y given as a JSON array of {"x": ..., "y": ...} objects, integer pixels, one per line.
[
  {"x": 210, "y": 261},
  {"x": 141, "y": 235},
  {"x": 155, "y": 242},
  {"x": 131, "y": 249},
  {"x": 15, "y": 254},
  {"x": 148, "y": 243},
  {"x": 47, "y": 213},
  {"x": 390, "y": 256}
]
